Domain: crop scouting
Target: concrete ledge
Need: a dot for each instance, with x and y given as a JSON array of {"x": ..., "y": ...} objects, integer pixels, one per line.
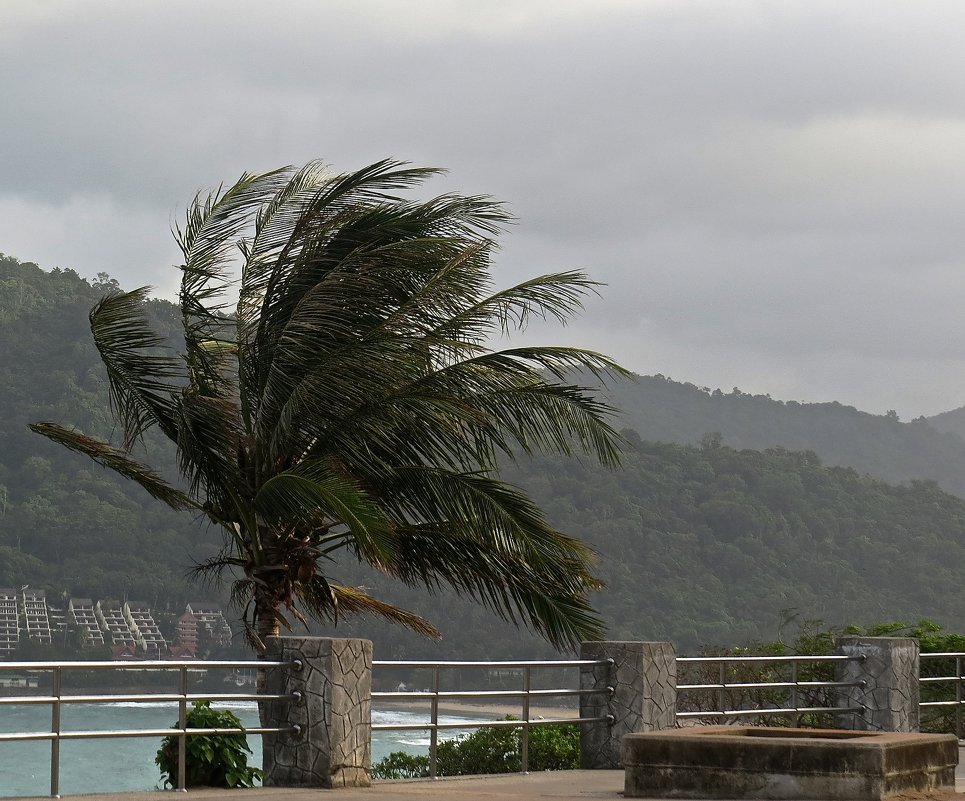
[{"x": 776, "y": 763}]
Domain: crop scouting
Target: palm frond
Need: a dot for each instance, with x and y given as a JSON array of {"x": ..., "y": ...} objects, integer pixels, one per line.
[
  {"x": 312, "y": 496},
  {"x": 356, "y": 601},
  {"x": 209, "y": 437},
  {"x": 142, "y": 377},
  {"x": 550, "y": 598},
  {"x": 558, "y": 295},
  {"x": 208, "y": 240},
  {"x": 118, "y": 461}
]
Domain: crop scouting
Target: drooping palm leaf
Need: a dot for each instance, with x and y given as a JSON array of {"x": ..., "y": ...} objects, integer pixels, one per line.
[
  {"x": 118, "y": 461},
  {"x": 143, "y": 379}
]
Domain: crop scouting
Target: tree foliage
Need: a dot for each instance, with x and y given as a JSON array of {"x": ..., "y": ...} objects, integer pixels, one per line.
[
  {"x": 211, "y": 760},
  {"x": 348, "y": 405}
]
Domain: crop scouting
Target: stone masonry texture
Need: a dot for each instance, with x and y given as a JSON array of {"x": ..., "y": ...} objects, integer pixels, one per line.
[
  {"x": 643, "y": 676},
  {"x": 889, "y": 698},
  {"x": 333, "y": 748}
]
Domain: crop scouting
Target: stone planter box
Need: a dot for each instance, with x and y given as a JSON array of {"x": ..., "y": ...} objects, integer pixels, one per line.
[{"x": 780, "y": 763}]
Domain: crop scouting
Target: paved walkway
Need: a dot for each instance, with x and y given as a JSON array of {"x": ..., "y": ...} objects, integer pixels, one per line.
[{"x": 564, "y": 785}]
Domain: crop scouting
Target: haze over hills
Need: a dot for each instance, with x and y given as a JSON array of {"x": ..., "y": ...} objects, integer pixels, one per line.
[
  {"x": 704, "y": 541},
  {"x": 952, "y": 422},
  {"x": 664, "y": 410}
]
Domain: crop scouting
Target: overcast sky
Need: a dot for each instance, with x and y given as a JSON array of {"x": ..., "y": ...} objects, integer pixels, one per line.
[{"x": 772, "y": 191}]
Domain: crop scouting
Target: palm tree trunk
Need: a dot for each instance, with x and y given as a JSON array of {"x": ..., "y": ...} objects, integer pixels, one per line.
[{"x": 266, "y": 625}]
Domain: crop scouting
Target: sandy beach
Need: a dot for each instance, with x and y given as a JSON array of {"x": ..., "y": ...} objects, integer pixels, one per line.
[{"x": 488, "y": 711}]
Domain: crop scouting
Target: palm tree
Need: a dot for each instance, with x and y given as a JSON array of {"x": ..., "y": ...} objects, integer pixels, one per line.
[{"x": 347, "y": 405}]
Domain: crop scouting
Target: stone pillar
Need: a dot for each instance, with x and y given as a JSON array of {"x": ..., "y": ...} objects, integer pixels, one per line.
[
  {"x": 889, "y": 669},
  {"x": 643, "y": 676},
  {"x": 334, "y": 746}
]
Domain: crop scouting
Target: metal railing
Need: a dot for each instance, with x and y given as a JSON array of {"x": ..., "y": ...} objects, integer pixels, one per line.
[
  {"x": 526, "y": 693},
  {"x": 57, "y": 698},
  {"x": 957, "y": 679},
  {"x": 793, "y": 686}
]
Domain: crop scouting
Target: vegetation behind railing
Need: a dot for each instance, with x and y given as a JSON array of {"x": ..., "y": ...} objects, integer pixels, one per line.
[{"x": 815, "y": 640}]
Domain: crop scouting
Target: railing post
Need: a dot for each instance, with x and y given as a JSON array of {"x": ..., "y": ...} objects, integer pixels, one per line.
[
  {"x": 643, "y": 678},
  {"x": 434, "y": 732},
  {"x": 886, "y": 670},
  {"x": 333, "y": 744},
  {"x": 55, "y": 729},
  {"x": 958, "y": 697},
  {"x": 183, "y": 726},
  {"x": 795, "y": 699},
  {"x": 524, "y": 739}
]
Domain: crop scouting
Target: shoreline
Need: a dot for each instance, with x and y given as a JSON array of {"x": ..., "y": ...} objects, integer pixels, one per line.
[{"x": 490, "y": 711}]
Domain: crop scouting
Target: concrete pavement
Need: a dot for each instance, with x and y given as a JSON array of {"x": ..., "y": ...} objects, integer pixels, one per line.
[{"x": 564, "y": 785}]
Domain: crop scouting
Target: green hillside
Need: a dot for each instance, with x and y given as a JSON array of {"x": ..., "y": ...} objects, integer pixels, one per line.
[
  {"x": 66, "y": 524},
  {"x": 663, "y": 410},
  {"x": 698, "y": 544},
  {"x": 952, "y": 422}
]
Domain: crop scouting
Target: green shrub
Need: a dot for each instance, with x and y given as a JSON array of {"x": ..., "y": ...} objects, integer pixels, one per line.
[
  {"x": 400, "y": 765},
  {"x": 497, "y": 750},
  {"x": 210, "y": 760}
]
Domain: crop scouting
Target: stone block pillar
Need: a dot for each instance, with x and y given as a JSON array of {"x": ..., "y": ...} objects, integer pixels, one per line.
[
  {"x": 889, "y": 696},
  {"x": 643, "y": 676},
  {"x": 334, "y": 745}
]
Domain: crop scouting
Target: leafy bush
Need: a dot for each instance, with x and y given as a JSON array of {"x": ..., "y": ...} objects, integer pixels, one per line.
[
  {"x": 400, "y": 765},
  {"x": 497, "y": 750},
  {"x": 211, "y": 760}
]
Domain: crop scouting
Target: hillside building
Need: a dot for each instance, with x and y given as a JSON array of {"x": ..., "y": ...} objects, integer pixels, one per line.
[
  {"x": 9, "y": 622},
  {"x": 110, "y": 618},
  {"x": 34, "y": 609},
  {"x": 80, "y": 615},
  {"x": 208, "y": 616},
  {"x": 146, "y": 633}
]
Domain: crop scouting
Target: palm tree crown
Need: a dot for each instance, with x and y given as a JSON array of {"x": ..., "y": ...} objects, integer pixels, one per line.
[{"x": 348, "y": 404}]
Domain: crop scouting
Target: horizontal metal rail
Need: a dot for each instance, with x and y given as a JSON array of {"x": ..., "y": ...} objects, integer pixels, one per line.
[
  {"x": 524, "y": 667},
  {"x": 145, "y": 698},
  {"x": 771, "y": 712},
  {"x": 957, "y": 681},
  {"x": 764, "y": 685},
  {"x": 794, "y": 709},
  {"x": 154, "y": 664},
  {"x": 526, "y": 663},
  {"x": 488, "y": 724},
  {"x": 442, "y": 694},
  {"x": 57, "y": 699},
  {"x": 756, "y": 659},
  {"x": 96, "y": 734}
]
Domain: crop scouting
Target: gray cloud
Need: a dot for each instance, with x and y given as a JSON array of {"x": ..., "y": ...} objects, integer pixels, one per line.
[{"x": 771, "y": 191}]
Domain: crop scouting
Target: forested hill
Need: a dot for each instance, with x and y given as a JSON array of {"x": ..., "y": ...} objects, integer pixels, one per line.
[
  {"x": 698, "y": 544},
  {"x": 714, "y": 546},
  {"x": 66, "y": 524},
  {"x": 952, "y": 422},
  {"x": 667, "y": 411}
]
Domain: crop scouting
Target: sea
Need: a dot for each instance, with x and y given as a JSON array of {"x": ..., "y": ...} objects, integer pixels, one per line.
[{"x": 126, "y": 764}]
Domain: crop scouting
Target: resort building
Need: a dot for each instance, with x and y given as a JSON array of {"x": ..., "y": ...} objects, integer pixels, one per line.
[
  {"x": 110, "y": 618},
  {"x": 36, "y": 623},
  {"x": 9, "y": 622},
  {"x": 146, "y": 633},
  {"x": 208, "y": 616},
  {"x": 80, "y": 614}
]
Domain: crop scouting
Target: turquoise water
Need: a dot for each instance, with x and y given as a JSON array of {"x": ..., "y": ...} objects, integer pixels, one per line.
[{"x": 124, "y": 764}]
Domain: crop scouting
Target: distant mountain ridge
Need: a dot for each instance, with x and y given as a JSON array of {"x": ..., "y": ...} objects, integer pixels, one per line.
[
  {"x": 662, "y": 410},
  {"x": 952, "y": 422}
]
